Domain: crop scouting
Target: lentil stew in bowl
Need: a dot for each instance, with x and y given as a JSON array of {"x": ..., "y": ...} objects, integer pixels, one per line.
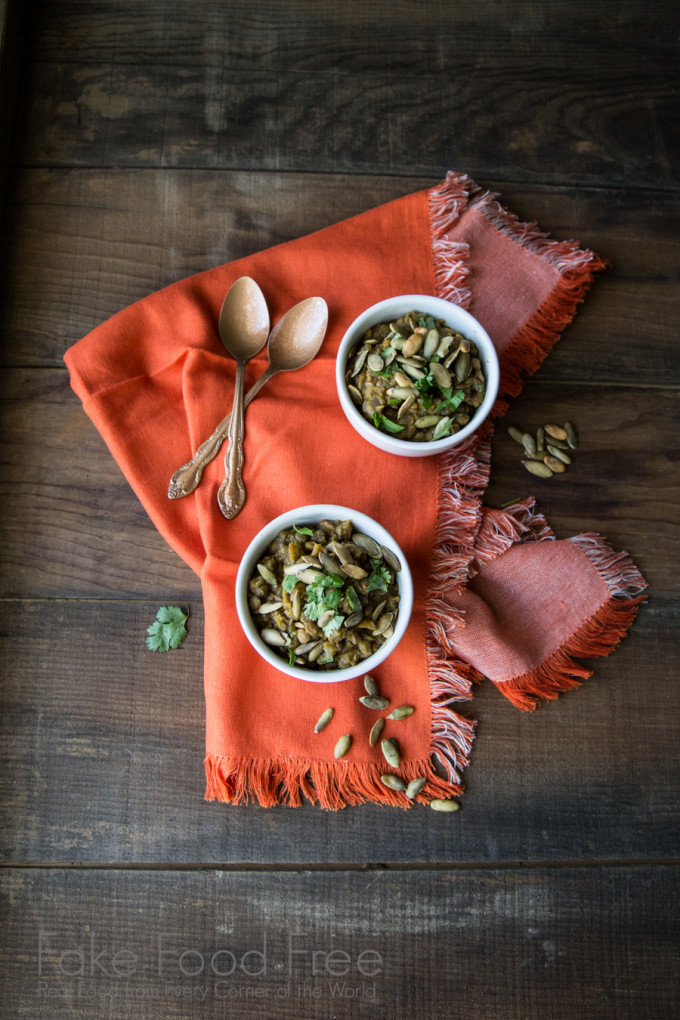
[
  {"x": 416, "y": 378},
  {"x": 325, "y": 596}
]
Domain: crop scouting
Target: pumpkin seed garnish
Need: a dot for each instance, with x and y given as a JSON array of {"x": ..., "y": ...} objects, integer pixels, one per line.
[
  {"x": 537, "y": 467},
  {"x": 368, "y": 544},
  {"x": 393, "y": 782},
  {"x": 371, "y": 686},
  {"x": 374, "y": 701},
  {"x": 414, "y": 788},
  {"x": 266, "y": 574},
  {"x": 402, "y": 712},
  {"x": 324, "y": 719},
  {"x": 391, "y": 753},
  {"x": 343, "y": 745},
  {"x": 444, "y": 805},
  {"x": 376, "y": 730}
]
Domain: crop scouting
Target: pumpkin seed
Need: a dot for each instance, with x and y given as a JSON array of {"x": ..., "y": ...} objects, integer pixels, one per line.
[
  {"x": 444, "y": 805},
  {"x": 274, "y": 637},
  {"x": 368, "y": 544},
  {"x": 307, "y": 647},
  {"x": 572, "y": 438},
  {"x": 315, "y": 652},
  {"x": 556, "y": 431},
  {"x": 414, "y": 788},
  {"x": 414, "y": 342},
  {"x": 407, "y": 404},
  {"x": 355, "y": 394},
  {"x": 269, "y": 607},
  {"x": 342, "y": 552},
  {"x": 332, "y": 565},
  {"x": 462, "y": 366},
  {"x": 431, "y": 342},
  {"x": 402, "y": 712},
  {"x": 400, "y": 392},
  {"x": 540, "y": 438},
  {"x": 374, "y": 701},
  {"x": 266, "y": 573},
  {"x": 391, "y": 753},
  {"x": 441, "y": 375},
  {"x": 529, "y": 443},
  {"x": 353, "y": 619},
  {"x": 371, "y": 686},
  {"x": 427, "y": 421},
  {"x": 401, "y": 379},
  {"x": 538, "y": 468},
  {"x": 559, "y": 454},
  {"x": 296, "y": 604},
  {"x": 324, "y": 719},
  {"x": 355, "y": 571},
  {"x": 375, "y": 362},
  {"x": 414, "y": 372},
  {"x": 441, "y": 428},
  {"x": 515, "y": 433},
  {"x": 375, "y": 615},
  {"x": 383, "y": 623},
  {"x": 309, "y": 575},
  {"x": 391, "y": 560},
  {"x": 555, "y": 465},
  {"x": 393, "y": 782},
  {"x": 343, "y": 745},
  {"x": 376, "y": 730},
  {"x": 361, "y": 358}
]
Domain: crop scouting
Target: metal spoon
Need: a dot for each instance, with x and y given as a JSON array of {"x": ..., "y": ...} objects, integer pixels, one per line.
[
  {"x": 293, "y": 342},
  {"x": 243, "y": 328},
  {"x": 309, "y": 318}
]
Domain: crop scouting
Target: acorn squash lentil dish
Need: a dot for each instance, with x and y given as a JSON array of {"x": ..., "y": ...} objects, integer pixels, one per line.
[
  {"x": 325, "y": 596},
  {"x": 416, "y": 378}
]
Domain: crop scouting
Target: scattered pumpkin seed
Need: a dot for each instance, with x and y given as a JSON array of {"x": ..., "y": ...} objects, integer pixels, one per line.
[
  {"x": 343, "y": 745},
  {"x": 415, "y": 787},
  {"x": 402, "y": 712},
  {"x": 374, "y": 701},
  {"x": 560, "y": 454},
  {"x": 537, "y": 467},
  {"x": 324, "y": 719},
  {"x": 393, "y": 782},
  {"x": 516, "y": 434},
  {"x": 391, "y": 753},
  {"x": 529, "y": 443},
  {"x": 376, "y": 730},
  {"x": 572, "y": 438},
  {"x": 444, "y": 805},
  {"x": 555, "y": 465},
  {"x": 556, "y": 431},
  {"x": 371, "y": 686}
]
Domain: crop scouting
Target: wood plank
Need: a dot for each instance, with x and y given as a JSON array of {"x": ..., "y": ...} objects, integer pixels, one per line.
[
  {"x": 607, "y": 128},
  {"x": 102, "y": 750},
  {"x": 591, "y": 942},
  {"x": 407, "y": 36},
  {"x": 72, "y": 527},
  {"x": 99, "y": 240}
]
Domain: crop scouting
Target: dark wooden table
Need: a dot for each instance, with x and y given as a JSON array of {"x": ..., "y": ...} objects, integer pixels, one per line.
[{"x": 156, "y": 138}]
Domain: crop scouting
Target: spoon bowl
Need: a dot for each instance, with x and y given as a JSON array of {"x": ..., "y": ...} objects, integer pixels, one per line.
[{"x": 293, "y": 342}]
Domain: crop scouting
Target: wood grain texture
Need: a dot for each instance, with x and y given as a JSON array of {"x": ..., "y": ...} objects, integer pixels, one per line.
[
  {"x": 609, "y": 129},
  {"x": 80, "y": 245},
  {"x": 597, "y": 942},
  {"x": 102, "y": 746}
]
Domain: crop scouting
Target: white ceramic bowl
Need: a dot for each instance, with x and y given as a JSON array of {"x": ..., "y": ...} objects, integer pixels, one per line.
[
  {"x": 312, "y": 515},
  {"x": 455, "y": 317}
]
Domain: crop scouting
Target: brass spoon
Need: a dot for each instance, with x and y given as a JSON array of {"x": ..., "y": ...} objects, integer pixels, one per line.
[
  {"x": 293, "y": 342},
  {"x": 308, "y": 320},
  {"x": 243, "y": 328}
]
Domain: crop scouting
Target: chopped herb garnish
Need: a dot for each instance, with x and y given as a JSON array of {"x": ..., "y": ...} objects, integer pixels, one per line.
[
  {"x": 289, "y": 582},
  {"x": 323, "y": 594},
  {"x": 291, "y": 657},
  {"x": 450, "y": 402},
  {"x": 353, "y": 599},
  {"x": 380, "y": 421},
  {"x": 379, "y": 579},
  {"x": 333, "y": 625},
  {"x": 303, "y": 531}
]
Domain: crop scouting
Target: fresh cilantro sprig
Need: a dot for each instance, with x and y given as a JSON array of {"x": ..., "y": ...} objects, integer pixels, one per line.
[
  {"x": 380, "y": 421},
  {"x": 380, "y": 577},
  {"x": 168, "y": 629}
]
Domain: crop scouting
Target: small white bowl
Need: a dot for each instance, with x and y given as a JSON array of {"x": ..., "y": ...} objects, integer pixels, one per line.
[
  {"x": 455, "y": 317},
  {"x": 312, "y": 515}
]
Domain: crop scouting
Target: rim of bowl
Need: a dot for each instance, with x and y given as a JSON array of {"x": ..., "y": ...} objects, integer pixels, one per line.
[
  {"x": 443, "y": 309},
  {"x": 313, "y": 513}
]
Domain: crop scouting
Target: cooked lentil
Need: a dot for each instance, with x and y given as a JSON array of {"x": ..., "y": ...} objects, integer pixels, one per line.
[
  {"x": 325, "y": 596},
  {"x": 416, "y": 378}
]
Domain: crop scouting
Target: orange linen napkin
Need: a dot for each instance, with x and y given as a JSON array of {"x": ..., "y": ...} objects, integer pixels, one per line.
[{"x": 155, "y": 381}]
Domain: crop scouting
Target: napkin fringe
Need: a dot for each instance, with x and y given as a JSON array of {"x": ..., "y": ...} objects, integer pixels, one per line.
[
  {"x": 333, "y": 785},
  {"x": 576, "y": 267},
  {"x": 597, "y": 637}
]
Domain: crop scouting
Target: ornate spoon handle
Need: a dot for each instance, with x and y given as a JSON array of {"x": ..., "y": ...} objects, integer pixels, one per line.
[
  {"x": 231, "y": 494},
  {"x": 187, "y": 477}
]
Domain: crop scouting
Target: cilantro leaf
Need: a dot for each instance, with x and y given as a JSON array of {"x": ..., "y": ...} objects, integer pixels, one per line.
[
  {"x": 333, "y": 625},
  {"x": 379, "y": 578},
  {"x": 289, "y": 582},
  {"x": 168, "y": 629},
  {"x": 353, "y": 599},
  {"x": 323, "y": 594},
  {"x": 380, "y": 421},
  {"x": 450, "y": 402},
  {"x": 303, "y": 531}
]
